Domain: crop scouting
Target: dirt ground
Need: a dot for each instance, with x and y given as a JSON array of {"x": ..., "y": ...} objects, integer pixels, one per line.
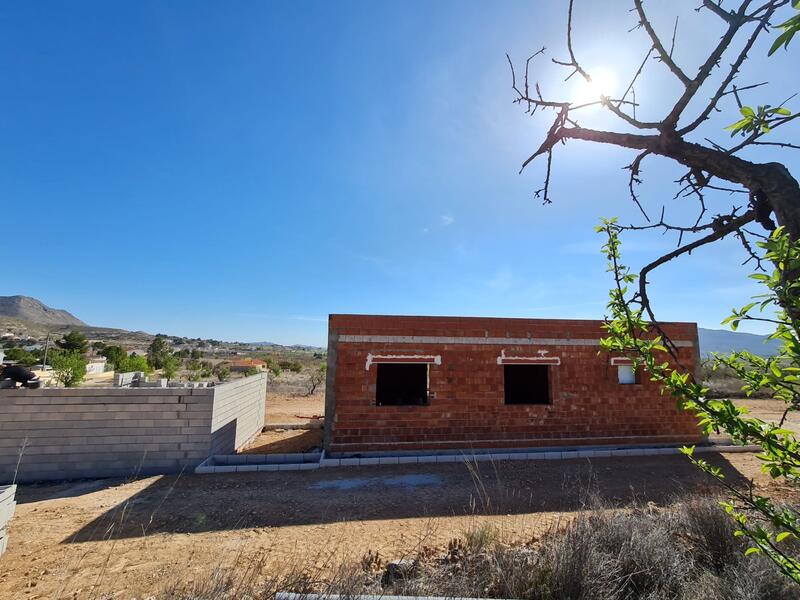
[
  {"x": 125, "y": 540},
  {"x": 290, "y": 408},
  {"x": 766, "y": 410},
  {"x": 285, "y": 407},
  {"x": 771, "y": 410}
]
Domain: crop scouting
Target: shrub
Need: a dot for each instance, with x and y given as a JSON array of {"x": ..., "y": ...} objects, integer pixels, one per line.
[
  {"x": 69, "y": 367},
  {"x": 158, "y": 352},
  {"x": 114, "y": 355},
  {"x": 170, "y": 365},
  {"x": 315, "y": 379},
  {"x": 273, "y": 367},
  {"x": 686, "y": 552},
  {"x": 132, "y": 363},
  {"x": 21, "y": 356},
  {"x": 74, "y": 341},
  {"x": 222, "y": 372}
]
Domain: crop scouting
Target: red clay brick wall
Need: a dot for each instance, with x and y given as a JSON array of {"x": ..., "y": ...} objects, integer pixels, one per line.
[{"x": 588, "y": 406}]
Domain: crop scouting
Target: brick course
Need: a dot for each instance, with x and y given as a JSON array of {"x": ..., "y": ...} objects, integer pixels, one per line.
[{"x": 467, "y": 410}]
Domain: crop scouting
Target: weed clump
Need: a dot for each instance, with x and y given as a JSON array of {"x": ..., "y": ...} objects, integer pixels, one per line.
[{"x": 684, "y": 552}]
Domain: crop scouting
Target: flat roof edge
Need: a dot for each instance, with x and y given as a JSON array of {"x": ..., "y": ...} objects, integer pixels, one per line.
[{"x": 332, "y": 316}]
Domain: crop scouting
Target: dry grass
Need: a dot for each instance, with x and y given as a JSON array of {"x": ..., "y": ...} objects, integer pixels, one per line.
[
  {"x": 685, "y": 552},
  {"x": 723, "y": 383}
]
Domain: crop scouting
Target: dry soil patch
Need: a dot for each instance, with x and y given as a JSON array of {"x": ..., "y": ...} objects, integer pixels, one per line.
[{"x": 86, "y": 539}]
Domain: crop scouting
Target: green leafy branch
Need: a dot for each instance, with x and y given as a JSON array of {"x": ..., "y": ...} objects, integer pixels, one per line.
[
  {"x": 790, "y": 27},
  {"x": 761, "y": 120},
  {"x": 767, "y": 525}
]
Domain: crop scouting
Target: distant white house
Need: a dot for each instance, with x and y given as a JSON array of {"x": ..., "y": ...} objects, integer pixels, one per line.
[
  {"x": 2, "y": 356},
  {"x": 95, "y": 366}
]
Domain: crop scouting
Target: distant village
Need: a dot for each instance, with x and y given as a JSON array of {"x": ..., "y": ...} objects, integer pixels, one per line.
[{"x": 160, "y": 358}]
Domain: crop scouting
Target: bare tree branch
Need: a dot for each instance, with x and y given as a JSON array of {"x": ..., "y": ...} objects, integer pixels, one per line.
[
  {"x": 692, "y": 87},
  {"x": 635, "y": 169},
  {"x": 731, "y": 74},
  {"x": 666, "y": 57},
  {"x": 770, "y": 186},
  {"x": 572, "y": 60},
  {"x": 720, "y": 231}
]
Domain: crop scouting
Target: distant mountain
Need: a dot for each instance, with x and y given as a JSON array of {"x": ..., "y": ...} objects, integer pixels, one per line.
[
  {"x": 292, "y": 347},
  {"x": 30, "y": 309},
  {"x": 721, "y": 340}
]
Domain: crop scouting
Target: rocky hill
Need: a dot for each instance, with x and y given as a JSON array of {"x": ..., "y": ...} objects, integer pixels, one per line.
[
  {"x": 721, "y": 340},
  {"x": 32, "y": 310}
]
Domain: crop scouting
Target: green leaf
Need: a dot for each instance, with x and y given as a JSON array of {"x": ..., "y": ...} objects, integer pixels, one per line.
[
  {"x": 786, "y": 37},
  {"x": 752, "y": 550},
  {"x": 782, "y": 536},
  {"x": 747, "y": 111},
  {"x": 775, "y": 369}
]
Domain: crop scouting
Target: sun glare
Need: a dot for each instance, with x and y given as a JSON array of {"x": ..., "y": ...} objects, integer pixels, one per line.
[{"x": 603, "y": 83}]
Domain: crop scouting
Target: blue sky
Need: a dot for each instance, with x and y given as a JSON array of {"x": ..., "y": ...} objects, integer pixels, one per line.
[{"x": 239, "y": 170}]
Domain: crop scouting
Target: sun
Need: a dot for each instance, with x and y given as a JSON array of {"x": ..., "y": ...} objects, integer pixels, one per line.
[{"x": 604, "y": 83}]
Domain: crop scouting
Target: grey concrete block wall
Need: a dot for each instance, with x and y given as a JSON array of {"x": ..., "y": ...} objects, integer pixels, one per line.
[
  {"x": 120, "y": 432},
  {"x": 238, "y": 416},
  {"x": 7, "y": 505}
]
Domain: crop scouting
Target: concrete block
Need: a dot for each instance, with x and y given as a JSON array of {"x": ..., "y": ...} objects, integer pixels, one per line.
[
  {"x": 555, "y": 455},
  {"x": 246, "y": 468},
  {"x": 521, "y": 455},
  {"x": 426, "y": 459},
  {"x": 368, "y": 461},
  {"x": 663, "y": 451},
  {"x": 445, "y": 458},
  {"x": 388, "y": 460},
  {"x": 330, "y": 462},
  {"x": 225, "y": 469},
  {"x": 273, "y": 459},
  {"x": 406, "y": 460},
  {"x": 7, "y": 511},
  {"x": 261, "y": 468}
]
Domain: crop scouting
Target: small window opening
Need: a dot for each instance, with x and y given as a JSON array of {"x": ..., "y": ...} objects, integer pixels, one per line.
[
  {"x": 526, "y": 384},
  {"x": 626, "y": 374},
  {"x": 401, "y": 384}
]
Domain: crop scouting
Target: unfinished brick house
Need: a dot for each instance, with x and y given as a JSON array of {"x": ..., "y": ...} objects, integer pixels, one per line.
[{"x": 399, "y": 384}]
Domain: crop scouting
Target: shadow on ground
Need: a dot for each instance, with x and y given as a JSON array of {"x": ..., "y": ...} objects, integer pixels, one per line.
[
  {"x": 202, "y": 503},
  {"x": 285, "y": 442}
]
